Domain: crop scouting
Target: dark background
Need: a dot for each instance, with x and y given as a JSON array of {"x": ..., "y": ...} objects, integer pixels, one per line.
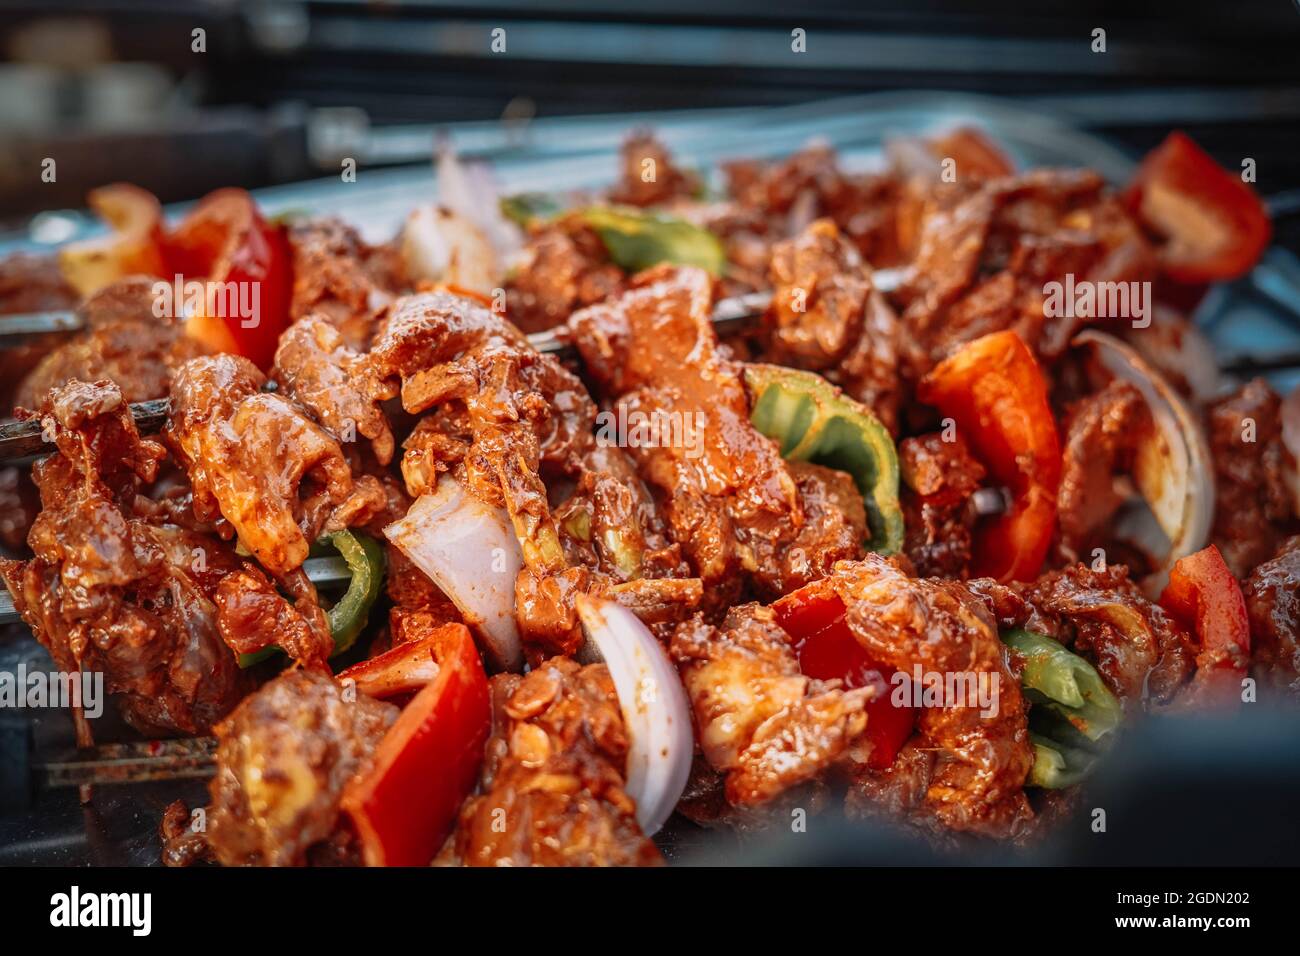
[{"x": 114, "y": 90}]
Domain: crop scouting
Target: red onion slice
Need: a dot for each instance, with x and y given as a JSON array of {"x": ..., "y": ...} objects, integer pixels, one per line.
[
  {"x": 654, "y": 706},
  {"x": 468, "y": 549}
]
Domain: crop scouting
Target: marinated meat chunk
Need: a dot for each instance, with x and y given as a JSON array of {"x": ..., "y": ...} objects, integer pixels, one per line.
[
  {"x": 1273, "y": 602},
  {"x": 793, "y": 192},
  {"x": 503, "y": 413},
  {"x": 948, "y": 253},
  {"x": 259, "y": 462},
  {"x": 819, "y": 300},
  {"x": 1252, "y": 500},
  {"x": 124, "y": 342},
  {"x": 939, "y": 479},
  {"x": 981, "y": 759},
  {"x": 760, "y": 720},
  {"x": 746, "y": 241},
  {"x": 870, "y": 372},
  {"x": 1142, "y": 654},
  {"x": 729, "y": 498},
  {"x": 34, "y": 283},
  {"x": 30, "y": 283},
  {"x": 439, "y": 349},
  {"x": 19, "y": 505},
  {"x": 552, "y": 791},
  {"x": 339, "y": 276},
  {"x": 283, "y": 758},
  {"x": 987, "y": 250},
  {"x": 564, "y": 266},
  {"x": 1103, "y": 432},
  {"x": 834, "y": 528},
  {"x": 108, "y": 591},
  {"x": 252, "y": 616},
  {"x": 899, "y": 791},
  {"x": 611, "y": 525},
  {"x": 649, "y": 176},
  {"x": 182, "y": 843},
  {"x": 317, "y": 369}
]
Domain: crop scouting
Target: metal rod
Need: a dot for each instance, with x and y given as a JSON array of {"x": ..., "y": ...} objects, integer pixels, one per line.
[
  {"x": 28, "y": 326},
  {"x": 188, "y": 759},
  {"x": 21, "y": 439},
  {"x": 320, "y": 571}
]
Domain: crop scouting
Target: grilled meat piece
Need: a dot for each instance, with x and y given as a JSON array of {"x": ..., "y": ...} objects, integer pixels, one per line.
[
  {"x": 552, "y": 788},
  {"x": 316, "y": 368},
  {"x": 563, "y": 266},
  {"x": 938, "y": 479},
  {"x": 649, "y": 175},
  {"x": 1273, "y": 601},
  {"x": 504, "y": 413},
  {"x": 342, "y": 278},
  {"x": 259, "y": 462},
  {"x": 124, "y": 342},
  {"x": 981, "y": 760},
  {"x": 1102, "y": 434},
  {"x": 112, "y": 592},
  {"x": 820, "y": 296},
  {"x": 1142, "y": 654},
  {"x": 30, "y": 283},
  {"x": 283, "y": 758},
  {"x": 1252, "y": 500},
  {"x": 761, "y": 722},
  {"x": 729, "y": 498}
]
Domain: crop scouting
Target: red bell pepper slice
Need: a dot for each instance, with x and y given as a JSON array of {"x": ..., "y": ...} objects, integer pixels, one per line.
[
  {"x": 225, "y": 241},
  {"x": 996, "y": 393},
  {"x": 133, "y": 247},
  {"x": 1204, "y": 597},
  {"x": 427, "y": 763},
  {"x": 1213, "y": 224},
  {"x": 814, "y": 617},
  {"x": 403, "y": 669}
]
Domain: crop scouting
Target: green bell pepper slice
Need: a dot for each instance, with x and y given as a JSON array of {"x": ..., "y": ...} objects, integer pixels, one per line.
[
  {"x": 1074, "y": 713},
  {"x": 526, "y": 208},
  {"x": 637, "y": 240},
  {"x": 365, "y": 559},
  {"x": 814, "y": 421},
  {"x": 634, "y": 238},
  {"x": 1057, "y": 766}
]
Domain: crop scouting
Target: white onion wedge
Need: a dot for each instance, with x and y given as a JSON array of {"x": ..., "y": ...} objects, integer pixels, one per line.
[
  {"x": 439, "y": 245},
  {"x": 1176, "y": 348},
  {"x": 468, "y": 549},
  {"x": 1172, "y": 471},
  {"x": 654, "y": 706},
  {"x": 468, "y": 190}
]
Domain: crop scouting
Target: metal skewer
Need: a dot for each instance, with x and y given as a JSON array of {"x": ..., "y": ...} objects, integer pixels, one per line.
[
  {"x": 21, "y": 439},
  {"x": 192, "y": 758},
  {"x": 187, "y": 759},
  {"x": 26, "y": 326},
  {"x": 320, "y": 571}
]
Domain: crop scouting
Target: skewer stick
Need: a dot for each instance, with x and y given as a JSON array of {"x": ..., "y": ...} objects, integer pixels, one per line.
[
  {"x": 319, "y": 571},
  {"x": 23, "y": 439}
]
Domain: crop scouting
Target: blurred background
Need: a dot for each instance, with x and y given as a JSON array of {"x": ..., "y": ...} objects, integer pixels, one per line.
[{"x": 183, "y": 96}]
